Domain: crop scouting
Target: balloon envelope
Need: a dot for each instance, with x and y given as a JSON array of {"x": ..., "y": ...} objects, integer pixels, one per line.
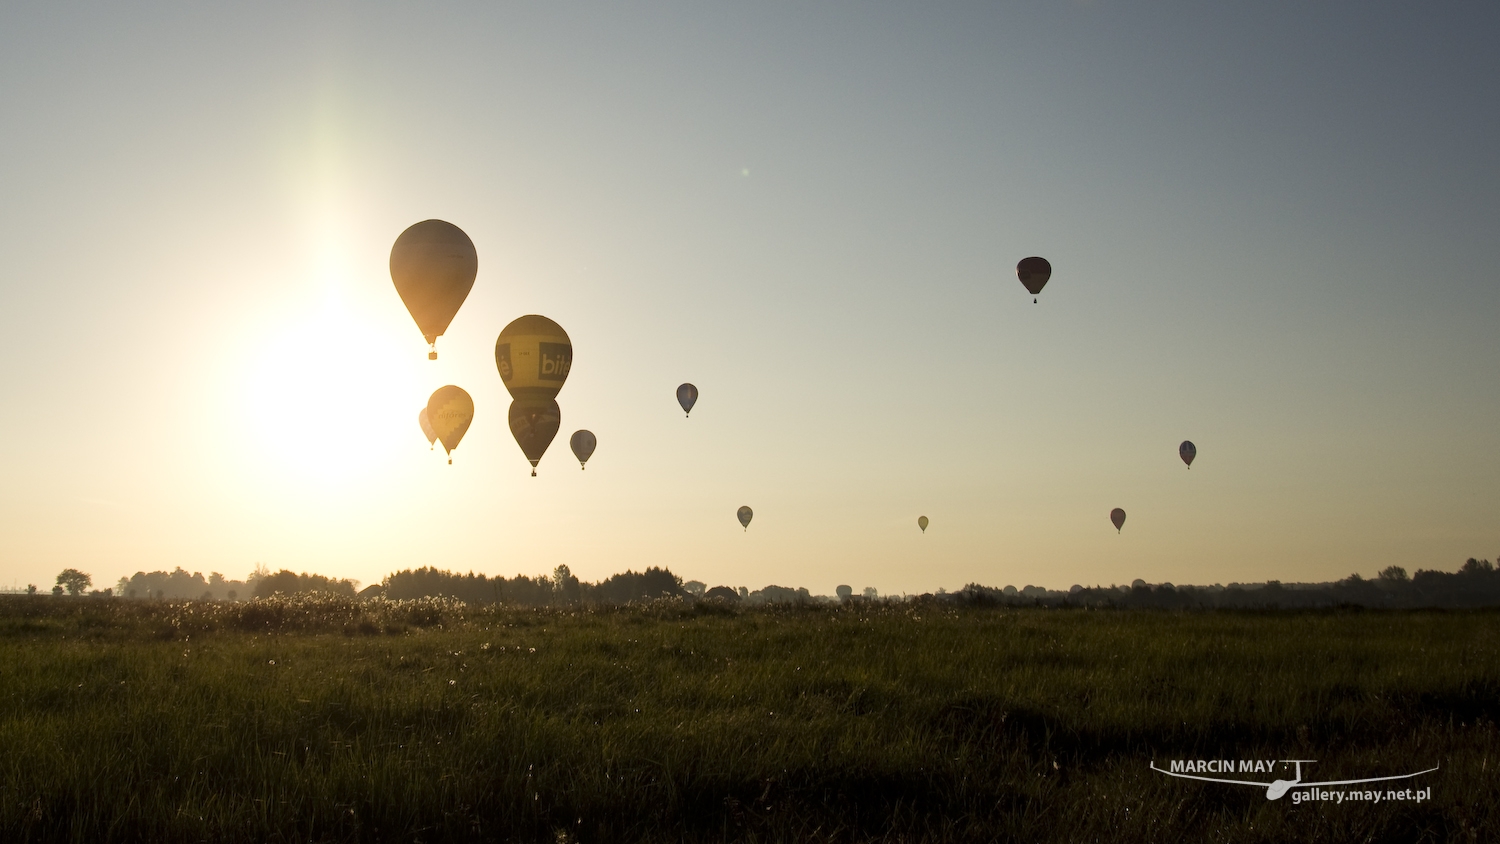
[
  {"x": 1187, "y": 451},
  {"x": 534, "y": 356},
  {"x": 1117, "y": 516},
  {"x": 1033, "y": 273},
  {"x": 922, "y": 523},
  {"x": 534, "y": 423},
  {"x": 433, "y": 264},
  {"x": 583, "y": 443},
  {"x": 427, "y": 430},
  {"x": 450, "y": 410},
  {"x": 687, "y": 396},
  {"x": 745, "y": 514}
]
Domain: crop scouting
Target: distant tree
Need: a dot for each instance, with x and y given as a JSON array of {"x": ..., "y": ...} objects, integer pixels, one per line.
[
  {"x": 871, "y": 593},
  {"x": 1393, "y": 574},
  {"x": 233, "y": 595},
  {"x": 31, "y": 588},
  {"x": 695, "y": 588},
  {"x": 288, "y": 583},
  {"x": 632, "y": 586},
  {"x": 74, "y": 581},
  {"x": 723, "y": 593},
  {"x": 57, "y": 591},
  {"x": 566, "y": 585},
  {"x": 1474, "y": 566}
]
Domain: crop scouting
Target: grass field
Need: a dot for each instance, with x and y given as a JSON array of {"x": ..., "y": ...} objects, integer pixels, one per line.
[{"x": 326, "y": 720}]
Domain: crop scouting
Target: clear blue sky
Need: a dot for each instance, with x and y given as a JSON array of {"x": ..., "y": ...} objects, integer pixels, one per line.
[{"x": 1272, "y": 225}]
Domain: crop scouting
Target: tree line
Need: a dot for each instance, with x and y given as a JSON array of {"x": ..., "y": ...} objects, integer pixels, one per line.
[{"x": 1475, "y": 584}]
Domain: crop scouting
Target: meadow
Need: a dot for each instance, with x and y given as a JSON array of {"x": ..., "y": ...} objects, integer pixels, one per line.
[{"x": 330, "y": 719}]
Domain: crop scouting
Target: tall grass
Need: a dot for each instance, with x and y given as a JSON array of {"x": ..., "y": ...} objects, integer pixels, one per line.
[{"x": 330, "y": 720}]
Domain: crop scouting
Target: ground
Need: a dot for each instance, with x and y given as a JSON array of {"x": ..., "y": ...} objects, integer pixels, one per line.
[{"x": 330, "y": 720}]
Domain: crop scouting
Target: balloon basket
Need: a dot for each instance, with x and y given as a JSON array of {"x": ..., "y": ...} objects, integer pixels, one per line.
[{"x": 432, "y": 355}]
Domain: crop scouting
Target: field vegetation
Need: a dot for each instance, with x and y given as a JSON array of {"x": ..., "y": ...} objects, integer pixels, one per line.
[{"x": 326, "y": 718}]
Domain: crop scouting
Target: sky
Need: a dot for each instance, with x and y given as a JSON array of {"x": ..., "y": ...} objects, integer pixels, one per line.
[{"x": 1272, "y": 228}]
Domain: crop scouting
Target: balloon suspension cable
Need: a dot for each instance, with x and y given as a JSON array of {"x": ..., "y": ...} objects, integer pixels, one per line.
[{"x": 432, "y": 350}]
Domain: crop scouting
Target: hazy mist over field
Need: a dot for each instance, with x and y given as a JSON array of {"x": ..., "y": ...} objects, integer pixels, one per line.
[{"x": 1272, "y": 228}]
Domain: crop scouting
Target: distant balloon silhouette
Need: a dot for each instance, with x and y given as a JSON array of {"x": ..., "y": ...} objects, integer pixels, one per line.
[
  {"x": 1187, "y": 451},
  {"x": 450, "y": 410},
  {"x": 1033, "y": 273},
  {"x": 745, "y": 514},
  {"x": 1117, "y": 516},
  {"x": 534, "y": 356},
  {"x": 922, "y": 523},
  {"x": 687, "y": 396},
  {"x": 534, "y": 422},
  {"x": 433, "y": 264},
  {"x": 583, "y": 443},
  {"x": 427, "y": 431}
]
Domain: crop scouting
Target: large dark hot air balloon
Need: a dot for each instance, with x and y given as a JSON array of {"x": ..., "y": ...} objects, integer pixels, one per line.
[
  {"x": 427, "y": 430},
  {"x": 534, "y": 422},
  {"x": 687, "y": 396},
  {"x": 1033, "y": 273},
  {"x": 433, "y": 265},
  {"x": 534, "y": 356},
  {"x": 583, "y": 443},
  {"x": 922, "y": 523},
  {"x": 450, "y": 410},
  {"x": 745, "y": 514},
  {"x": 1187, "y": 451},
  {"x": 1117, "y": 517}
]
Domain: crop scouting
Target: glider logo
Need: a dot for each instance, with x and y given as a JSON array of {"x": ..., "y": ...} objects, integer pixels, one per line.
[
  {"x": 1193, "y": 769},
  {"x": 557, "y": 359}
]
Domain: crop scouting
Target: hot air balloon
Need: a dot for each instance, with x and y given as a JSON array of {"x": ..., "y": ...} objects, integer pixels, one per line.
[
  {"x": 433, "y": 264},
  {"x": 450, "y": 410},
  {"x": 1118, "y": 517},
  {"x": 745, "y": 514},
  {"x": 583, "y": 443},
  {"x": 687, "y": 396},
  {"x": 1187, "y": 451},
  {"x": 427, "y": 431},
  {"x": 534, "y": 422},
  {"x": 533, "y": 355},
  {"x": 922, "y": 523},
  {"x": 1033, "y": 273}
]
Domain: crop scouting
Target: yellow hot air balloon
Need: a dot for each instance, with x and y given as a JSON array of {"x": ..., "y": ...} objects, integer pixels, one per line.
[
  {"x": 533, "y": 355},
  {"x": 450, "y": 410},
  {"x": 922, "y": 523},
  {"x": 433, "y": 264},
  {"x": 534, "y": 422}
]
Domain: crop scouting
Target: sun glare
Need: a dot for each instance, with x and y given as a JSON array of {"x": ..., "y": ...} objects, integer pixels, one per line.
[{"x": 324, "y": 398}]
